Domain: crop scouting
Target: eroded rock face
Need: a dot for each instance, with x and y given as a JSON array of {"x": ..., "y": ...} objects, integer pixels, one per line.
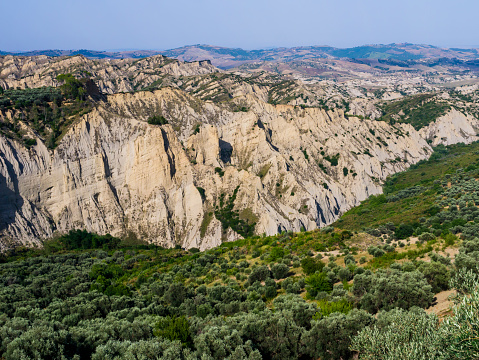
[
  {"x": 115, "y": 173},
  {"x": 111, "y": 76},
  {"x": 452, "y": 128}
]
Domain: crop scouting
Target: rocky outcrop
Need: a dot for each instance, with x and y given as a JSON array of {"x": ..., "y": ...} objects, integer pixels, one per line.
[
  {"x": 111, "y": 76},
  {"x": 452, "y": 128},
  {"x": 113, "y": 173}
]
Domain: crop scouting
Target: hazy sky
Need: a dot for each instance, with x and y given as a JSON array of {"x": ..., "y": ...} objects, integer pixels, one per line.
[{"x": 249, "y": 24}]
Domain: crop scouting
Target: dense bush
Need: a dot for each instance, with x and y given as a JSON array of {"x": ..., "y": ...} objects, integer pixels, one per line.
[
  {"x": 280, "y": 271},
  {"x": 157, "y": 120},
  {"x": 82, "y": 239},
  {"x": 330, "y": 338},
  {"x": 311, "y": 265},
  {"x": 468, "y": 256},
  {"x": 316, "y": 283},
  {"x": 261, "y": 273},
  {"x": 413, "y": 334},
  {"x": 388, "y": 289},
  {"x": 404, "y": 231}
]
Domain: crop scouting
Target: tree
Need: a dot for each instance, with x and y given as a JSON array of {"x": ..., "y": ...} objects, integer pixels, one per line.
[
  {"x": 317, "y": 282},
  {"x": 71, "y": 88},
  {"x": 311, "y": 265},
  {"x": 176, "y": 293},
  {"x": 261, "y": 273},
  {"x": 403, "y": 231},
  {"x": 401, "y": 334},
  {"x": 436, "y": 274},
  {"x": 157, "y": 120},
  {"x": 468, "y": 257},
  {"x": 143, "y": 349},
  {"x": 411, "y": 335},
  {"x": 387, "y": 289},
  {"x": 174, "y": 328},
  {"x": 280, "y": 271},
  {"x": 330, "y": 337}
]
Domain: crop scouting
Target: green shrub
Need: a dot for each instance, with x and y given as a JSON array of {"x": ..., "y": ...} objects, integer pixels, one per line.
[
  {"x": 317, "y": 282},
  {"x": 280, "y": 271},
  {"x": 311, "y": 265},
  {"x": 157, "y": 120},
  {"x": 388, "y": 289},
  {"x": 174, "y": 328}
]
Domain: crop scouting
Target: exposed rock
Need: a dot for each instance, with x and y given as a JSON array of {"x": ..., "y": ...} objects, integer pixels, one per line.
[
  {"x": 289, "y": 166},
  {"x": 111, "y": 76},
  {"x": 114, "y": 173},
  {"x": 452, "y": 128}
]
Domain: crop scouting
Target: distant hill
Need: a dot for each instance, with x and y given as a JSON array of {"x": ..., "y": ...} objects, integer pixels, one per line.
[
  {"x": 231, "y": 57},
  {"x": 228, "y": 57},
  {"x": 92, "y": 54}
]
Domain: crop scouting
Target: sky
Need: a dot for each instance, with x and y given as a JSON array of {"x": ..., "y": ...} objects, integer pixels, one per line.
[{"x": 247, "y": 24}]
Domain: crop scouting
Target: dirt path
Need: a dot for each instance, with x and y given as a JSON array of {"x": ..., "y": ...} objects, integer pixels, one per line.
[{"x": 443, "y": 304}]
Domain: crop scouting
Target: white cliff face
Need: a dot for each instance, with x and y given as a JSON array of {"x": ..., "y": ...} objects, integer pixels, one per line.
[
  {"x": 111, "y": 76},
  {"x": 114, "y": 173},
  {"x": 452, "y": 128}
]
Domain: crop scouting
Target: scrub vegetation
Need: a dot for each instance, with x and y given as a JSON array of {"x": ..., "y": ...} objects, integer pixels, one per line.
[{"x": 359, "y": 287}]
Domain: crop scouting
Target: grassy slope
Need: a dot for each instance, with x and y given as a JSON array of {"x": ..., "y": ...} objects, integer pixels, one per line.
[
  {"x": 376, "y": 210},
  {"x": 419, "y": 110}
]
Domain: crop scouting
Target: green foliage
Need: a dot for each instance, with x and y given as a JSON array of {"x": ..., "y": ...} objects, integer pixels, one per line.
[
  {"x": 306, "y": 156},
  {"x": 280, "y": 271},
  {"x": 205, "y": 223},
  {"x": 30, "y": 142},
  {"x": 264, "y": 170},
  {"x": 174, "y": 328},
  {"x": 414, "y": 334},
  {"x": 81, "y": 239},
  {"x": 388, "y": 289},
  {"x": 422, "y": 191},
  {"x": 47, "y": 110},
  {"x": 436, "y": 274},
  {"x": 330, "y": 337},
  {"x": 311, "y": 265},
  {"x": 230, "y": 218},
  {"x": 107, "y": 303},
  {"x": 404, "y": 231},
  {"x": 375, "y": 251},
  {"x": 333, "y": 160},
  {"x": 419, "y": 110},
  {"x": 316, "y": 283},
  {"x": 202, "y": 193},
  {"x": 400, "y": 335},
  {"x": 276, "y": 253},
  {"x": 468, "y": 257},
  {"x": 157, "y": 120},
  {"x": 261, "y": 273},
  {"x": 327, "y": 308},
  {"x": 72, "y": 88},
  {"x": 142, "y": 349}
]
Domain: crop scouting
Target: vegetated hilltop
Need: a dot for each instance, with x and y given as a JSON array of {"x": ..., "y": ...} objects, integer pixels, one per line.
[
  {"x": 196, "y": 156},
  {"x": 223, "y": 57},
  {"x": 92, "y": 54},
  {"x": 228, "y": 57},
  {"x": 331, "y": 293}
]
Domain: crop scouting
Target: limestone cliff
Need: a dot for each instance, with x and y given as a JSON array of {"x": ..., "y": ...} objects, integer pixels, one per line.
[
  {"x": 111, "y": 76},
  {"x": 452, "y": 128},
  {"x": 114, "y": 173}
]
